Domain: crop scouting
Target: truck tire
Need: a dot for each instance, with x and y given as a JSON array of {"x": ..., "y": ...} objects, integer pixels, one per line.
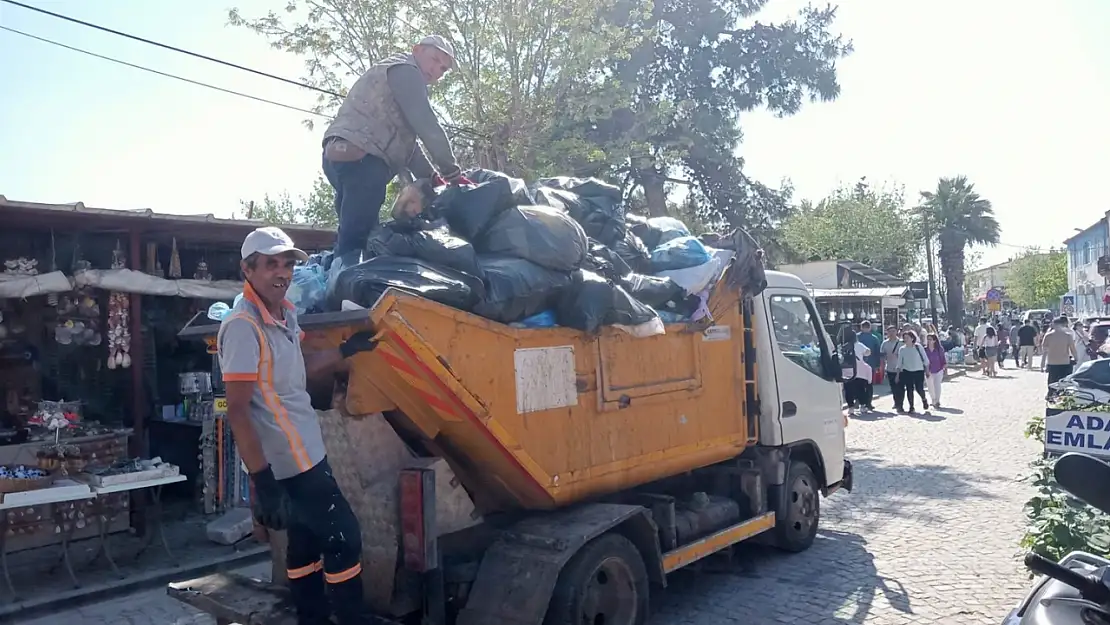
[
  {"x": 605, "y": 583},
  {"x": 796, "y": 525}
]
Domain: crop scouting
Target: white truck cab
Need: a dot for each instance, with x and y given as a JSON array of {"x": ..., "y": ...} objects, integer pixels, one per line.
[{"x": 800, "y": 393}]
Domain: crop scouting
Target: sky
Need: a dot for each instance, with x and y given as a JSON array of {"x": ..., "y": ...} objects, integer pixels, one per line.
[{"x": 1013, "y": 94}]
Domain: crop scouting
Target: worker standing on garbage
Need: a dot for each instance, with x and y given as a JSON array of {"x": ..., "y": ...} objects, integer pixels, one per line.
[
  {"x": 278, "y": 434},
  {"x": 373, "y": 137}
]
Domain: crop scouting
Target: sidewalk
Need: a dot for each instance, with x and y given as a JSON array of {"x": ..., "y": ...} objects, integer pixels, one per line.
[{"x": 39, "y": 591}]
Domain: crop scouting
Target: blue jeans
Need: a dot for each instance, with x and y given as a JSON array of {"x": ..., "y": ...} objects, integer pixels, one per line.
[{"x": 359, "y": 193}]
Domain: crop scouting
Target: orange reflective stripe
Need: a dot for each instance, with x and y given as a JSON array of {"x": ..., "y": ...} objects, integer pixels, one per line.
[
  {"x": 305, "y": 571},
  {"x": 339, "y": 578},
  {"x": 270, "y": 396}
]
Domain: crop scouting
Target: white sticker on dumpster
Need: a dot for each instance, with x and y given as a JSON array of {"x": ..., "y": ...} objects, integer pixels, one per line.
[
  {"x": 1087, "y": 432},
  {"x": 545, "y": 378},
  {"x": 717, "y": 333}
]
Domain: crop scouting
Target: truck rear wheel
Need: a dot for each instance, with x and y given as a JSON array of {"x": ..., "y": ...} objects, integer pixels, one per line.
[
  {"x": 796, "y": 525},
  {"x": 605, "y": 583}
]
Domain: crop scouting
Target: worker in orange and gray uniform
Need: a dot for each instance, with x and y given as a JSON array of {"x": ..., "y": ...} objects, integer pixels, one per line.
[
  {"x": 278, "y": 434},
  {"x": 373, "y": 137}
]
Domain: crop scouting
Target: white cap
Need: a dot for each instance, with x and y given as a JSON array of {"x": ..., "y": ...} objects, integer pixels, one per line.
[
  {"x": 270, "y": 241},
  {"x": 441, "y": 44}
]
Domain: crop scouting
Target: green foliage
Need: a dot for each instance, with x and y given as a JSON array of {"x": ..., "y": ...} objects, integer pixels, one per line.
[
  {"x": 958, "y": 217},
  {"x": 858, "y": 223},
  {"x": 1058, "y": 523},
  {"x": 317, "y": 208},
  {"x": 1038, "y": 279}
]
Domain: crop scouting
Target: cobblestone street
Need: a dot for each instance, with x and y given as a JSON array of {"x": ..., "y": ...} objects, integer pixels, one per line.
[{"x": 929, "y": 536}]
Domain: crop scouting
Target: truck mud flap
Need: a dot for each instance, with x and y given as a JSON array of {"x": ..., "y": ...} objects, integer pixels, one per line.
[{"x": 518, "y": 573}]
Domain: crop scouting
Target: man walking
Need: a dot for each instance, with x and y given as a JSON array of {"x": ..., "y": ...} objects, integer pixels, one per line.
[
  {"x": 1058, "y": 350},
  {"x": 373, "y": 137},
  {"x": 1027, "y": 343},
  {"x": 278, "y": 435},
  {"x": 889, "y": 350},
  {"x": 1014, "y": 344}
]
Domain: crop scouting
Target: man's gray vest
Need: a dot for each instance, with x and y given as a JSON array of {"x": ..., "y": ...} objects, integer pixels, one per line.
[{"x": 370, "y": 118}]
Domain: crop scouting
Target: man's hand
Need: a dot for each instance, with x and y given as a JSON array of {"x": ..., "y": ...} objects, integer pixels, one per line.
[
  {"x": 364, "y": 341},
  {"x": 268, "y": 506}
]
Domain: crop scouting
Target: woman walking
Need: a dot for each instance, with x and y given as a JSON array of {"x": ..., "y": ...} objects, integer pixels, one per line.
[
  {"x": 912, "y": 369},
  {"x": 938, "y": 363},
  {"x": 989, "y": 348}
]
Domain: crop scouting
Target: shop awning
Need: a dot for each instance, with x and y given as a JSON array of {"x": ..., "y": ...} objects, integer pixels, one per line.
[{"x": 875, "y": 292}]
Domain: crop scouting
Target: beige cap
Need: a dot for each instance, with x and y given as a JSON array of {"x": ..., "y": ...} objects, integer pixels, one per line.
[
  {"x": 270, "y": 241},
  {"x": 441, "y": 44}
]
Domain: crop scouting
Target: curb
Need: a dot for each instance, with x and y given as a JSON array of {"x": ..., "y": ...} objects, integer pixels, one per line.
[{"x": 99, "y": 591}]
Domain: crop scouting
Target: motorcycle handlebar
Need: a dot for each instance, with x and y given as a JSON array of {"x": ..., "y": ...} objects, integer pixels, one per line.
[{"x": 1089, "y": 587}]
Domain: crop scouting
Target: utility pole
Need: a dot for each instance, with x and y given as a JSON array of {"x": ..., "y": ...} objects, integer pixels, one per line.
[{"x": 932, "y": 275}]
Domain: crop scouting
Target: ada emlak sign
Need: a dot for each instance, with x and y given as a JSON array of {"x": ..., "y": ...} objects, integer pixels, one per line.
[{"x": 1087, "y": 432}]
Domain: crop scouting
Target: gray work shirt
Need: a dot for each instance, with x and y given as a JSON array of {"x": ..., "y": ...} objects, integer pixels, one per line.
[{"x": 255, "y": 347}]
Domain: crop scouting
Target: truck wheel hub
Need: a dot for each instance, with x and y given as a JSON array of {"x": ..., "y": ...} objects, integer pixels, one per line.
[
  {"x": 802, "y": 505},
  {"x": 610, "y": 596}
]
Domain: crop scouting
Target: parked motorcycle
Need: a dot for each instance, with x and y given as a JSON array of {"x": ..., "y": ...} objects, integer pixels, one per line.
[{"x": 1075, "y": 590}]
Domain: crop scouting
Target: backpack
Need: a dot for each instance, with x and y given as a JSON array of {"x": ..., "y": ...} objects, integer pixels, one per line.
[{"x": 848, "y": 360}]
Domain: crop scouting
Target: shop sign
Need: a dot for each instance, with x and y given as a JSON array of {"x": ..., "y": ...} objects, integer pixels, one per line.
[
  {"x": 219, "y": 406},
  {"x": 1085, "y": 432}
]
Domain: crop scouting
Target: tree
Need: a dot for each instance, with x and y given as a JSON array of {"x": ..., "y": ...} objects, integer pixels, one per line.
[
  {"x": 317, "y": 208},
  {"x": 958, "y": 217},
  {"x": 589, "y": 87},
  {"x": 518, "y": 63},
  {"x": 1038, "y": 279},
  {"x": 858, "y": 223}
]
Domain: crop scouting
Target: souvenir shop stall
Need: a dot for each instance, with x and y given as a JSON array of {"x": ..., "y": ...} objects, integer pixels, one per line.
[{"x": 94, "y": 379}]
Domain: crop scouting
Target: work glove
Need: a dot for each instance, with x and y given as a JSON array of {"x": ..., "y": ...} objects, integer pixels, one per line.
[
  {"x": 364, "y": 341},
  {"x": 269, "y": 506}
]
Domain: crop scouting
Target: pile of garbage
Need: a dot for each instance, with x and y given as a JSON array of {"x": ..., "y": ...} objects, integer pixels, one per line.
[{"x": 562, "y": 252}]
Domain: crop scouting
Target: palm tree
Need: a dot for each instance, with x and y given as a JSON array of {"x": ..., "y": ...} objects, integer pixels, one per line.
[{"x": 958, "y": 218}]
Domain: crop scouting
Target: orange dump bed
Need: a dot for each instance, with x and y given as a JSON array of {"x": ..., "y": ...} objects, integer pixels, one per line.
[{"x": 541, "y": 418}]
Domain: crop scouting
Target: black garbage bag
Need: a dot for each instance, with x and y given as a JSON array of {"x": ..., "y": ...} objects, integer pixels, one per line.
[
  {"x": 586, "y": 187},
  {"x": 638, "y": 225},
  {"x": 634, "y": 252},
  {"x": 604, "y": 261},
  {"x": 559, "y": 198},
  {"x": 436, "y": 245},
  {"x": 364, "y": 283},
  {"x": 522, "y": 196},
  {"x": 747, "y": 271},
  {"x": 655, "y": 291},
  {"x": 591, "y": 301},
  {"x": 517, "y": 288},
  {"x": 544, "y": 235},
  {"x": 468, "y": 209}
]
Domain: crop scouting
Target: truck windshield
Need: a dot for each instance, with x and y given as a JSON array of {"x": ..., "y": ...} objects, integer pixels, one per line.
[{"x": 796, "y": 332}]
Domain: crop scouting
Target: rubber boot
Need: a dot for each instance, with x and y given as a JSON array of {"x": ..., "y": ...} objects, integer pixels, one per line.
[
  {"x": 346, "y": 601},
  {"x": 310, "y": 599}
]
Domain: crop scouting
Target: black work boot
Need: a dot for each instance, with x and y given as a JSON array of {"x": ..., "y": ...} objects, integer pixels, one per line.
[{"x": 310, "y": 599}]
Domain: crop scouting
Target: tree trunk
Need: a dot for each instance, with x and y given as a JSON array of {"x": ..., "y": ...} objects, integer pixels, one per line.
[
  {"x": 654, "y": 193},
  {"x": 952, "y": 267}
]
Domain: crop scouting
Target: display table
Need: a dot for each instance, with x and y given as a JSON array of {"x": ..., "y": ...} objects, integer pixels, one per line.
[
  {"x": 63, "y": 499},
  {"x": 154, "y": 520},
  {"x": 32, "y": 528}
]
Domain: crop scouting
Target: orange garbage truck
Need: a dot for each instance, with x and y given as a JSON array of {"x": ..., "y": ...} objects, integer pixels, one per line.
[{"x": 523, "y": 476}]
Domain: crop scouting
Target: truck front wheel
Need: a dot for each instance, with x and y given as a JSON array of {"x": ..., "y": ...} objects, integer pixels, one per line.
[
  {"x": 605, "y": 583},
  {"x": 796, "y": 525}
]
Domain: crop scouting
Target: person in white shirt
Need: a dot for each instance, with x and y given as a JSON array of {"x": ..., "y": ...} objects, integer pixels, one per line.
[
  {"x": 857, "y": 378},
  {"x": 913, "y": 366},
  {"x": 988, "y": 349}
]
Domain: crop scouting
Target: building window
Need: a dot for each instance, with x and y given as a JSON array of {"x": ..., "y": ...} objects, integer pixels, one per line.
[{"x": 1087, "y": 250}]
